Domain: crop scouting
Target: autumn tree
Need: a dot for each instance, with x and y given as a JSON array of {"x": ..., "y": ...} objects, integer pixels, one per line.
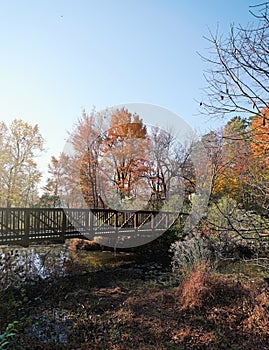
[
  {"x": 239, "y": 199},
  {"x": 229, "y": 152},
  {"x": 124, "y": 161},
  {"x": 86, "y": 140},
  {"x": 237, "y": 85},
  {"x": 170, "y": 172},
  {"x": 73, "y": 176},
  {"x": 116, "y": 162},
  {"x": 56, "y": 184},
  {"x": 20, "y": 145},
  {"x": 259, "y": 174},
  {"x": 240, "y": 161},
  {"x": 259, "y": 137}
]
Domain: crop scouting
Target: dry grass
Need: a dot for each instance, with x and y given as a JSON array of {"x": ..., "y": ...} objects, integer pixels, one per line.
[
  {"x": 258, "y": 320},
  {"x": 195, "y": 286},
  {"x": 113, "y": 310}
]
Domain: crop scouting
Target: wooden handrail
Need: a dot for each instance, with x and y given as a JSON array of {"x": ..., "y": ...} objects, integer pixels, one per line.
[{"x": 26, "y": 225}]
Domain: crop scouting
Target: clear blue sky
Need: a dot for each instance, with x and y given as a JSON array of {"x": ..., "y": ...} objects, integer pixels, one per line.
[{"x": 60, "y": 56}]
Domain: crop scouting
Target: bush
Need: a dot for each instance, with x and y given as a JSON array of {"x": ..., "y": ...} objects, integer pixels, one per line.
[
  {"x": 192, "y": 252},
  {"x": 8, "y": 339},
  {"x": 195, "y": 286},
  {"x": 203, "y": 288},
  {"x": 258, "y": 320},
  {"x": 212, "y": 248}
]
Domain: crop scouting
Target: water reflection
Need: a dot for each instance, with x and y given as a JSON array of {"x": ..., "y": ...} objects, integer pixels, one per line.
[
  {"x": 36, "y": 262},
  {"x": 19, "y": 264}
]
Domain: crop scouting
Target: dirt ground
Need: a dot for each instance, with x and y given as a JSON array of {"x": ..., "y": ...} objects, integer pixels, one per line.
[{"x": 139, "y": 307}]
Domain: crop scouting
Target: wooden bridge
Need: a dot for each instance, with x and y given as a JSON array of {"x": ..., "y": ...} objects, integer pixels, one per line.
[{"x": 23, "y": 226}]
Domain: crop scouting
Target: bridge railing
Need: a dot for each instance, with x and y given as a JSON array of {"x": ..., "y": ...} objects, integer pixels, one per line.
[{"x": 26, "y": 225}]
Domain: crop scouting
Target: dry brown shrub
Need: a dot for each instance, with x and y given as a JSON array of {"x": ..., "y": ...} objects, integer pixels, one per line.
[
  {"x": 195, "y": 286},
  {"x": 258, "y": 320},
  {"x": 203, "y": 287}
]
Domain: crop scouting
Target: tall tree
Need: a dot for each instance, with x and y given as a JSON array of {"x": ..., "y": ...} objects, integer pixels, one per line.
[
  {"x": 115, "y": 162},
  {"x": 260, "y": 136},
  {"x": 235, "y": 159},
  {"x": 86, "y": 140},
  {"x": 54, "y": 188},
  {"x": 74, "y": 174},
  {"x": 170, "y": 172},
  {"x": 259, "y": 170},
  {"x": 239, "y": 202},
  {"x": 20, "y": 144},
  {"x": 123, "y": 162}
]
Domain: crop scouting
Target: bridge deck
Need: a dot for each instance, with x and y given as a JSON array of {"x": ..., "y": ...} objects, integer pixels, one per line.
[{"x": 22, "y": 226}]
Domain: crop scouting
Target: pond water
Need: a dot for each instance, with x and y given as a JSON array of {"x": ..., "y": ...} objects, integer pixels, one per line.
[{"x": 18, "y": 264}]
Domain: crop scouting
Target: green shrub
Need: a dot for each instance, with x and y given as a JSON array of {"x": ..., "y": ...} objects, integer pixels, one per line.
[
  {"x": 8, "y": 339},
  {"x": 191, "y": 252}
]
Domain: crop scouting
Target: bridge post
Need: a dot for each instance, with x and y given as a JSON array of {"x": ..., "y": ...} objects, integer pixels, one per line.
[
  {"x": 136, "y": 221},
  {"x": 116, "y": 222},
  {"x": 89, "y": 220},
  {"x": 63, "y": 231},
  {"x": 25, "y": 240},
  {"x": 87, "y": 214}
]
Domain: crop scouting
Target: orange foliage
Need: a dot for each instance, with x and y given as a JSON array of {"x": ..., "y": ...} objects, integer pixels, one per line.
[
  {"x": 124, "y": 126},
  {"x": 260, "y": 138},
  {"x": 125, "y": 150},
  {"x": 112, "y": 161},
  {"x": 230, "y": 157}
]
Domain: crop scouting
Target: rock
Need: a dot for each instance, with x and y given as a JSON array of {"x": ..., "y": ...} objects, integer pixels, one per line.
[{"x": 83, "y": 244}]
